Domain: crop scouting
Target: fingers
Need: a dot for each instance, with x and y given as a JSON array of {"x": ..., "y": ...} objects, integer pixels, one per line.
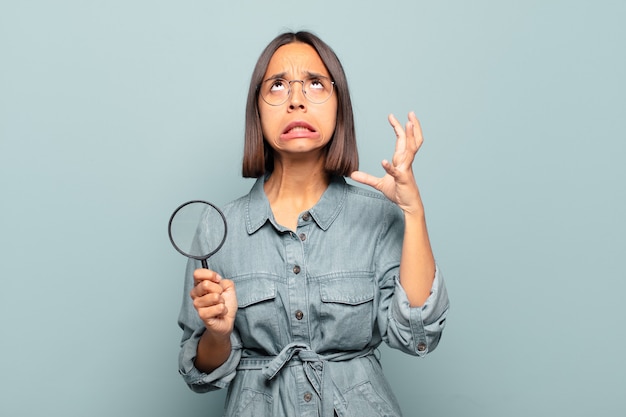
[
  {"x": 408, "y": 140},
  {"x": 400, "y": 135},
  {"x": 364, "y": 178},
  {"x": 203, "y": 274},
  {"x": 207, "y": 291},
  {"x": 212, "y": 312},
  {"x": 414, "y": 131},
  {"x": 227, "y": 285},
  {"x": 211, "y": 307},
  {"x": 395, "y": 123}
]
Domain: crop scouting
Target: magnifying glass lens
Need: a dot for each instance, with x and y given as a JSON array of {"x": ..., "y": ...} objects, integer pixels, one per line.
[{"x": 197, "y": 229}]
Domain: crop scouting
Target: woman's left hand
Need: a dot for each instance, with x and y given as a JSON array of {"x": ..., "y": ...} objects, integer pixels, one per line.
[{"x": 399, "y": 183}]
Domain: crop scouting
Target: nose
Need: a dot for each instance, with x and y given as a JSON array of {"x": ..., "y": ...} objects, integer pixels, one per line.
[{"x": 297, "y": 97}]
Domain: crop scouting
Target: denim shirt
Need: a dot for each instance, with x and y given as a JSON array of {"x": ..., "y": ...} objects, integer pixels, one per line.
[{"x": 313, "y": 305}]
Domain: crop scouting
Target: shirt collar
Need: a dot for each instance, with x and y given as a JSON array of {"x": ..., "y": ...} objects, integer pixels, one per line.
[{"x": 258, "y": 210}]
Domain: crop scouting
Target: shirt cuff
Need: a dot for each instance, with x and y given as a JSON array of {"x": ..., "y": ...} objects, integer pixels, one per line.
[
  {"x": 421, "y": 327},
  {"x": 200, "y": 381}
]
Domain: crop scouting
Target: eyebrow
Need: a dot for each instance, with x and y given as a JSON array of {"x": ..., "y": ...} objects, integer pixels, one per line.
[{"x": 309, "y": 74}]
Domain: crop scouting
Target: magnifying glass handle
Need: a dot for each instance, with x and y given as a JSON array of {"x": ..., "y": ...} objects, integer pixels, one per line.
[{"x": 204, "y": 264}]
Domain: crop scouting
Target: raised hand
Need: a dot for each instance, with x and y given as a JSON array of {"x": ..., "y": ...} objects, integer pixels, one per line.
[{"x": 399, "y": 183}]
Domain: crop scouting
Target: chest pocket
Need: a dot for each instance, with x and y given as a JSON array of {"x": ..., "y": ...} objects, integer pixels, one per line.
[
  {"x": 256, "y": 319},
  {"x": 347, "y": 312}
]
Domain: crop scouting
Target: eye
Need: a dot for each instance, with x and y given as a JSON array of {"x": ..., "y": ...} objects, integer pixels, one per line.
[
  {"x": 317, "y": 84},
  {"x": 277, "y": 85}
]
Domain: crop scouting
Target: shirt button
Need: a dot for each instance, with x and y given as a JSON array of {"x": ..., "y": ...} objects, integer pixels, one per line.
[
  {"x": 296, "y": 269},
  {"x": 299, "y": 315},
  {"x": 308, "y": 397},
  {"x": 421, "y": 346},
  {"x": 302, "y": 237},
  {"x": 306, "y": 216}
]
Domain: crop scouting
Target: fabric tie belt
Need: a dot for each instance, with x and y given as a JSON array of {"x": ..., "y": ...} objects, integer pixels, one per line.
[{"x": 313, "y": 365}]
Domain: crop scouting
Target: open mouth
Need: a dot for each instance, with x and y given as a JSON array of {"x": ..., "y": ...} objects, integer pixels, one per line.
[{"x": 296, "y": 127}]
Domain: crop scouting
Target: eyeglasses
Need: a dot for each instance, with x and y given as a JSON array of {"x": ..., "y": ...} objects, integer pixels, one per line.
[{"x": 276, "y": 91}]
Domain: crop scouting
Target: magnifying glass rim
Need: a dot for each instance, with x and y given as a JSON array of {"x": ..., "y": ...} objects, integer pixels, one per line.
[{"x": 197, "y": 257}]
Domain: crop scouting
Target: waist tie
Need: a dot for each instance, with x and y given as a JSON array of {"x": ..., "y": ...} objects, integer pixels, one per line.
[{"x": 313, "y": 365}]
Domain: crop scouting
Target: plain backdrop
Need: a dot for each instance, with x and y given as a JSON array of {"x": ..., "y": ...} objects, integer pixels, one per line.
[{"x": 114, "y": 112}]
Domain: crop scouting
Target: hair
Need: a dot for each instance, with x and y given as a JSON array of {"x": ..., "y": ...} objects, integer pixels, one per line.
[{"x": 341, "y": 152}]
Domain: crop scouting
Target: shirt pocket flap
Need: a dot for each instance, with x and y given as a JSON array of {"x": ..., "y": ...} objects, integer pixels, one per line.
[
  {"x": 252, "y": 291},
  {"x": 347, "y": 291}
]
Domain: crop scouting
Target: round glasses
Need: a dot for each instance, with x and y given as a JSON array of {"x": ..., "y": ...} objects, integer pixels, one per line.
[{"x": 276, "y": 91}]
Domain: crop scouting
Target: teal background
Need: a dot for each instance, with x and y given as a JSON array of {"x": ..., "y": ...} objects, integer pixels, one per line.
[{"x": 114, "y": 112}]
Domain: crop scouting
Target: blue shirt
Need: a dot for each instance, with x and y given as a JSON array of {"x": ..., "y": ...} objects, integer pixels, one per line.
[{"x": 313, "y": 305}]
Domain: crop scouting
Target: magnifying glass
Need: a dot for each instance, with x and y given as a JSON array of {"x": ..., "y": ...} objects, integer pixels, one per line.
[{"x": 197, "y": 229}]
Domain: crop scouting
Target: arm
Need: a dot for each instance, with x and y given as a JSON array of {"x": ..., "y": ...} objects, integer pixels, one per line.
[{"x": 417, "y": 265}]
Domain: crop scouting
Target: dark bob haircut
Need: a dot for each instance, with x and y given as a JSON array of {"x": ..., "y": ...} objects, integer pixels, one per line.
[{"x": 342, "y": 157}]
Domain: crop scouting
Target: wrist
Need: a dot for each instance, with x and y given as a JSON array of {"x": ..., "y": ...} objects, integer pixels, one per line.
[
  {"x": 215, "y": 338},
  {"x": 415, "y": 212}
]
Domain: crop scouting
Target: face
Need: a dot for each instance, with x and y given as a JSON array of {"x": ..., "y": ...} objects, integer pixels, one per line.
[{"x": 297, "y": 126}]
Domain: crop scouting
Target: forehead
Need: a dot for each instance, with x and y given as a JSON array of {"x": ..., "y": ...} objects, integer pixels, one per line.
[{"x": 295, "y": 60}]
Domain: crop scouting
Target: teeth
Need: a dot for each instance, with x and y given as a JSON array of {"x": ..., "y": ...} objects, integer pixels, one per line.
[{"x": 298, "y": 128}]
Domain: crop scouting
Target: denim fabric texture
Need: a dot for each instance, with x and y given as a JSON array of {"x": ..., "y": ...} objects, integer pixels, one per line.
[{"x": 314, "y": 304}]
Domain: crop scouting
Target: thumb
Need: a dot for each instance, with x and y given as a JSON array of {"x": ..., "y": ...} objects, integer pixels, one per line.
[{"x": 365, "y": 178}]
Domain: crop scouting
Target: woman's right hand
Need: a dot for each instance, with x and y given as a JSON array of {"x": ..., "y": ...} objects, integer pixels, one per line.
[{"x": 215, "y": 300}]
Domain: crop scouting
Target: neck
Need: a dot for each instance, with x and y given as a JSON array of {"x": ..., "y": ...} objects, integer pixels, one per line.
[
  {"x": 296, "y": 182},
  {"x": 295, "y": 187}
]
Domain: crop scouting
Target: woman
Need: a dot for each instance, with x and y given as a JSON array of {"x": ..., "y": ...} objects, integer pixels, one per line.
[{"x": 315, "y": 273}]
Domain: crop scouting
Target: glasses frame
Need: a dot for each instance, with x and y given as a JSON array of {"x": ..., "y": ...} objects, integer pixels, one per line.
[{"x": 290, "y": 90}]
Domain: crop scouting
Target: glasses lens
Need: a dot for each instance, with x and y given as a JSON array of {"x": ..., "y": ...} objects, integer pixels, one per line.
[
  {"x": 318, "y": 90},
  {"x": 276, "y": 91}
]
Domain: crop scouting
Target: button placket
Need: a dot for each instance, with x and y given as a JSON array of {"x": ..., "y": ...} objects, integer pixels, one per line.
[{"x": 296, "y": 269}]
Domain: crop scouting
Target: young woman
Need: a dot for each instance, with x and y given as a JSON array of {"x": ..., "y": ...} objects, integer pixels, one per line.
[{"x": 315, "y": 273}]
